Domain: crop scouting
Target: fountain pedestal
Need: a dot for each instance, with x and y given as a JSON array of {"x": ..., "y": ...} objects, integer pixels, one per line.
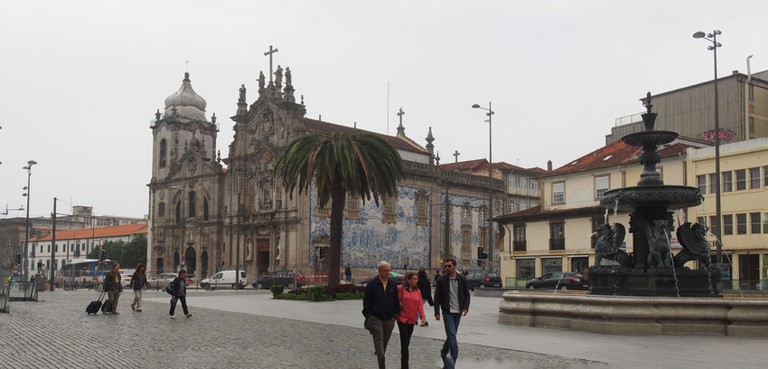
[{"x": 654, "y": 282}]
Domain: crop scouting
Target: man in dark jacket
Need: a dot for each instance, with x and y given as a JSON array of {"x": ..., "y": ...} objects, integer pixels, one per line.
[
  {"x": 113, "y": 286},
  {"x": 381, "y": 305},
  {"x": 452, "y": 296}
]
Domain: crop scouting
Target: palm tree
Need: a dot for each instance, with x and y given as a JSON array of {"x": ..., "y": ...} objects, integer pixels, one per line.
[{"x": 363, "y": 165}]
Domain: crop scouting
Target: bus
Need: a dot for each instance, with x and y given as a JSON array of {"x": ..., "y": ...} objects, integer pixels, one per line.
[{"x": 84, "y": 272}]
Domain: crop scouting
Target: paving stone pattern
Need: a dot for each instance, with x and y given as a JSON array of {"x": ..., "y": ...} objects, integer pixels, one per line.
[{"x": 55, "y": 332}]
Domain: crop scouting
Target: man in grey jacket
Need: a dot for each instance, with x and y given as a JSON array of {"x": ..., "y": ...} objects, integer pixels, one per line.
[{"x": 452, "y": 296}]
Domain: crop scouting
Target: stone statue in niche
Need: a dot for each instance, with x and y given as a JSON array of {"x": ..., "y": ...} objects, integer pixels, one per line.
[
  {"x": 693, "y": 238},
  {"x": 610, "y": 245},
  {"x": 658, "y": 238}
]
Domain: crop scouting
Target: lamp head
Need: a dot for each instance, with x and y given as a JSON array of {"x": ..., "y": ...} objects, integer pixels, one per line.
[
  {"x": 699, "y": 35},
  {"x": 31, "y": 163},
  {"x": 475, "y": 106}
]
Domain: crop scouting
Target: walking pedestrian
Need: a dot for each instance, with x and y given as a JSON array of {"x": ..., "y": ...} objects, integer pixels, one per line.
[
  {"x": 426, "y": 294},
  {"x": 179, "y": 288},
  {"x": 138, "y": 282},
  {"x": 452, "y": 297},
  {"x": 113, "y": 287},
  {"x": 410, "y": 309},
  {"x": 381, "y": 305},
  {"x": 437, "y": 276},
  {"x": 348, "y": 273}
]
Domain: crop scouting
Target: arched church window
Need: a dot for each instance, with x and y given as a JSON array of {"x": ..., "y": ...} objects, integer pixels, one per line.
[
  {"x": 205, "y": 209},
  {"x": 250, "y": 196},
  {"x": 161, "y": 209},
  {"x": 163, "y": 153},
  {"x": 192, "y": 203},
  {"x": 178, "y": 211}
]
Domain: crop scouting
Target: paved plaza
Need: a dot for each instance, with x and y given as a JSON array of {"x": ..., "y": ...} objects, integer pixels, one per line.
[{"x": 248, "y": 329}]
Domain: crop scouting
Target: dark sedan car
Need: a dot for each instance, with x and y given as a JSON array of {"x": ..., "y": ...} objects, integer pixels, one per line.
[
  {"x": 559, "y": 280},
  {"x": 482, "y": 279},
  {"x": 287, "y": 278}
]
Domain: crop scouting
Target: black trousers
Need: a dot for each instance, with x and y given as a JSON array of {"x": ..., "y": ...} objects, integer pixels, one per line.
[
  {"x": 183, "y": 300},
  {"x": 406, "y": 330}
]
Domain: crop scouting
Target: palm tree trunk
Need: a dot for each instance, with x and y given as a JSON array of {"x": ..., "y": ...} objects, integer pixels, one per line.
[{"x": 338, "y": 198}]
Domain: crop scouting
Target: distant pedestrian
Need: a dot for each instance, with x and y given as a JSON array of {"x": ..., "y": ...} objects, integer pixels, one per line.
[
  {"x": 426, "y": 294},
  {"x": 348, "y": 273},
  {"x": 179, "y": 288},
  {"x": 138, "y": 282},
  {"x": 381, "y": 305},
  {"x": 437, "y": 275},
  {"x": 113, "y": 287},
  {"x": 452, "y": 296},
  {"x": 411, "y": 308}
]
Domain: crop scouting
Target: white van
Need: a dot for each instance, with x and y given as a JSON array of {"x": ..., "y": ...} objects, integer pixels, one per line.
[{"x": 224, "y": 279}]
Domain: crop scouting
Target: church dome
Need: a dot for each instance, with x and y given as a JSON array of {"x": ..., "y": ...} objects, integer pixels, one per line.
[{"x": 187, "y": 102}]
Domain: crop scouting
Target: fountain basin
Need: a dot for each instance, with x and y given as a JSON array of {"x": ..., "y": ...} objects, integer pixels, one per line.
[
  {"x": 654, "y": 282},
  {"x": 636, "y": 315},
  {"x": 669, "y": 197}
]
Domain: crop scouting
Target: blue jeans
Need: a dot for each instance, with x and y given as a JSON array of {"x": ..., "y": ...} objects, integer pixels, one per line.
[{"x": 451, "y": 322}]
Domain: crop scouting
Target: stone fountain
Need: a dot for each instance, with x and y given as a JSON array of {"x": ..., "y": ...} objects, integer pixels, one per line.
[
  {"x": 650, "y": 291},
  {"x": 652, "y": 270}
]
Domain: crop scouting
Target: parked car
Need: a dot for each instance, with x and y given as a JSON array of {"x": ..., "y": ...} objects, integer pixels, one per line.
[
  {"x": 160, "y": 281},
  {"x": 224, "y": 279},
  {"x": 287, "y": 278},
  {"x": 398, "y": 277},
  {"x": 560, "y": 280},
  {"x": 482, "y": 279}
]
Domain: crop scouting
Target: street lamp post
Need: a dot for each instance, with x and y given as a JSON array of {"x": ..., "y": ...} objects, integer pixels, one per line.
[
  {"x": 712, "y": 37},
  {"x": 28, "y": 167},
  {"x": 489, "y": 113}
]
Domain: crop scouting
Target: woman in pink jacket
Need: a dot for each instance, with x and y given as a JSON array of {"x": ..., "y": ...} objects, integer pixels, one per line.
[{"x": 410, "y": 305}]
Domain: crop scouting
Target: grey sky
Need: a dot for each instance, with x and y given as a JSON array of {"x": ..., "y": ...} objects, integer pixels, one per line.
[{"x": 81, "y": 80}]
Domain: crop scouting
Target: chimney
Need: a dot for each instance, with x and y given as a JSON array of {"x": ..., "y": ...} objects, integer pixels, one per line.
[{"x": 549, "y": 165}]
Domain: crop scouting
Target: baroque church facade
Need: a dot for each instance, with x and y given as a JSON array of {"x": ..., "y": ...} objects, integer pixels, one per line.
[{"x": 208, "y": 213}]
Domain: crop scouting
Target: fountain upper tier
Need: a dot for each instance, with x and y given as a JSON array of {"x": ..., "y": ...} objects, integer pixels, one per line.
[{"x": 670, "y": 197}]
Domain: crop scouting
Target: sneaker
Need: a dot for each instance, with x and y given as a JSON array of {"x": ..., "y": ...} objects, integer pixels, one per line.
[
  {"x": 139, "y": 310},
  {"x": 173, "y": 317},
  {"x": 425, "y": 324},
  {"x": 116, "y": 313},
  {"x": 133, "y": 307},
  {"x": 189, "y": 315}
]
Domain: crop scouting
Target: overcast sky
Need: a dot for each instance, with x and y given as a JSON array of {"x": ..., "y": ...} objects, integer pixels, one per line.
[{"x": 80, "y": 80}]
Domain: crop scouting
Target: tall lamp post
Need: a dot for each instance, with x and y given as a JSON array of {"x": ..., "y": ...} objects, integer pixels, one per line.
[
  {"x": 28, "y": 167},
  {"x": 712, "y": 37},
  {"x": 489, "y": 113}
]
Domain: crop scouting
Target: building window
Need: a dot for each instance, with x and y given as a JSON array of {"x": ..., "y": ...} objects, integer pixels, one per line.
[
  {"x": 206, "y": 215},
  {"x": 519, "y": 243},
  {"x": 178, "y": 211},
  {"x": 714, "y": 225},
  {"x": 512, "y": 183},
  {"x": 741, "y": 223},
  {"x": 701, "y": 183},
  {"x": 483, "y": 238},
  {"x": 765, "y": 222},
  {"x": 466, "y": 238},
  {"x": 523, "y": 183},
  {"x": 389, "y": 211},
  {"x": 514, "y": 207},
  {"x": 163, "y": 151},
  {"x": 482, "y": 214},
  {"x": 602, "y": 184},
  {"x": 727, "y": 224},
  {"x": 552, "y": 265},
  {"x": 192, "y": 204},
  {"x": 727, "y": 182},
  {"x": 422, "y": 208},
  {"x": 161, "y": 209},
  {"x": 534, "y": 185},
  {"x": 754, "y": 222},
  {"x": 741, "y": 180},
  {"x": 701, "y": 220},
  {"x": 713, "y": 183},
  {"x": 525, "y": 270},
  {"x": 558, "y": 193},
  {"x": 754, "y": 178},
  {"x": 250, "y": 195},
  {"x": 557, "y": 236},
  {"x": 352, "y": 207}
]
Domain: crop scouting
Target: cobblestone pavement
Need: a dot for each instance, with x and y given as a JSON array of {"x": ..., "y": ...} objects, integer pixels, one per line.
[{"x": 56, "y": 333}]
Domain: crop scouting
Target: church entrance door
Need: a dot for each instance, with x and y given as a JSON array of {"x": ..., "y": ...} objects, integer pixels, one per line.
[{"x": 262, "y": 256}]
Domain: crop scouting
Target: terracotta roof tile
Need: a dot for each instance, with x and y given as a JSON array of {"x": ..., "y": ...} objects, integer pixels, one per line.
[
  {"x": 396, "y": 142},
  {"x": 99, "y": 232}
]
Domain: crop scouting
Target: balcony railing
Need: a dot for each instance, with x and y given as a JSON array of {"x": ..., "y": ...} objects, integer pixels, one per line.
[
  {"x": 557, "y": 243},
  {"x": 519, "y": 245}
]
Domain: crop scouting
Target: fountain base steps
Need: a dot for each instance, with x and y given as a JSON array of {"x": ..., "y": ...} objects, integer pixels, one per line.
[{"x": 636, "y": 315}]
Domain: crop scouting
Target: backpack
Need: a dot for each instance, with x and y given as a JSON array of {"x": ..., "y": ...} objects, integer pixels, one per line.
[{"x": 169, "y": 288}]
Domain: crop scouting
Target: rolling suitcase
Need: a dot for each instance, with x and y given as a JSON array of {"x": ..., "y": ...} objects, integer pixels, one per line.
[
  {"x": 94, "y": 306},
  {"x": 106, "y": 307}
]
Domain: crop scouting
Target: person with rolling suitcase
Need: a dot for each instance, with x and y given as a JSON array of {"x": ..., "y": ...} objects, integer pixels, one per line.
[
  {"x": 95, "y": 305},
  {"x": 113, "y": 287}
]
